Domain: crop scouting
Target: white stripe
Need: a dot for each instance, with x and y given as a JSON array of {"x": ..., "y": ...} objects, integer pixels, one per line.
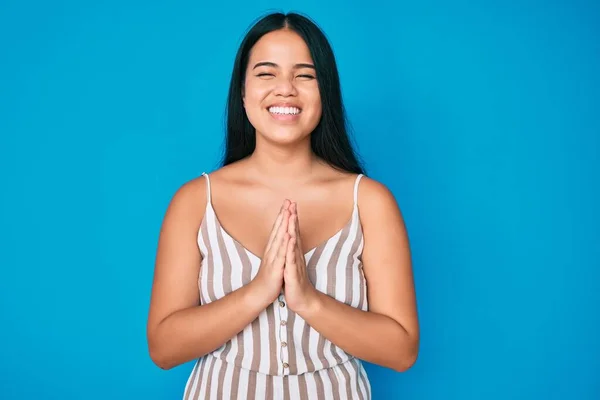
[
  {"x": 204, "y": 378},
  {"x": 298, "y": 331},
  {"x": 242, "y": 388},
  {"x": 218, "y": 260},
  {"x": 203, "y": 271},
  {"x": 323, "y": 272},
  {"x": 236, "y": 263},
  {"x": 328, "y": 351},
  {"x": 366, "y": 382},
  {"x": 193, "y": 380},
  {"x": 214, "y": 384},
  {"x": 293, "y": 387},
  {"x": 227, "y": 381},
  {"x": 327, "y": 384},
  {"x": 265, "y": 350},
  {"x": 342, "y": 262},
  {"x": 323, "y": 263},
  {"x": 255, "y": 266},
  {"x": 313, "y": 341},
  {"x": 236, "y": 283},
  {"x": 311, "y": 385},
  {"x": 351, "y": 367},
  {"x": 248, "y": 347},
  {"x": 341, "y": 381},
  {"x": 261, "y": 386},
  {"x": 360, "y": 381}
]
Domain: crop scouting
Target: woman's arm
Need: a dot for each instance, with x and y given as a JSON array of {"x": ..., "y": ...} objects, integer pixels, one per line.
[
  {"x": 178, "y": 329},
  {"x": 388, "y": 334}
]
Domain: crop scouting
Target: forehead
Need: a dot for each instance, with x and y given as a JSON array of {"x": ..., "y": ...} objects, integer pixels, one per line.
[{"x": 283, "y": 47}]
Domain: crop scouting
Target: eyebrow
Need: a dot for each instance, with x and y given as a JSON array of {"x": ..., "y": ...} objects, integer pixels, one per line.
[{"x": 272, "y": 64}]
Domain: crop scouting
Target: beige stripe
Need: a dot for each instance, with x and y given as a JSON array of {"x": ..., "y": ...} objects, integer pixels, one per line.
[
  {"x": 210, "y": 263},
  {"x": 226, "y": 350},
  {"x": 221, "y": 381},
  {"x": 319, "y": 384},
  {"x": 246, "y": 264},
  {"x": 227, "y": 281},
  {"x": 347, "y": 378},
  {"x": 333, "y": 261},
  {"x": 213, "y": 361},
  {"x": 192, "y": 380},
  {"x": 310, "y": 365},
  {"x": 226, "y": 262},
  {"x": 273, "y": 365},
  {"x": 335, "y": 383},
  {"x": 314, "y": 259},
  {"x": 235, "y": 382},
  {"x": 331, "y": 282},
  {"x": 361, "y": 281},
  {"x": 269, "y": 389},
  {"x": 255, "y": 345},
  {"x": 363, "y": 379},
  {"x": 291, "y": 345},
  {"x": 203, "y": 232},
  {"x": 286, "y": 388},
  {"x": 312, "y": 276},
  {"x": 251, "y": 385},
  {"x": 246, "y": 271},
  {"x": 332, "y": 277},
  {"x": 200, "y": 375},
  {"x": 239, "y": 356},
  {"x": 350, "y": 282},
  {"x": 246, "y": 278},
  {"x": 303, "y": 387},
  {"x": 321, "y": 351},
  {"x": 355, "y": 374}
]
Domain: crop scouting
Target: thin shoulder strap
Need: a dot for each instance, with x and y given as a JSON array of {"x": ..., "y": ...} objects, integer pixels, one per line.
[
  {"x": 356, "y": 189},
  {"x": 207, "y": 186}
]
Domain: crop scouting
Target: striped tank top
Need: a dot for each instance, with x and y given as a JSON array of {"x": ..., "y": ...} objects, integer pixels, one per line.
[{"x": 278, "y": 355}]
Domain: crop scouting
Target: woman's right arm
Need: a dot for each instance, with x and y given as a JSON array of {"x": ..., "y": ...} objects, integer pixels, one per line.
[{"x": 178, "y": 329}]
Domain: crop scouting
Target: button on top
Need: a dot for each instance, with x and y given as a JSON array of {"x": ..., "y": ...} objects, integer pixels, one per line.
[{"x": 281, "y": 304}]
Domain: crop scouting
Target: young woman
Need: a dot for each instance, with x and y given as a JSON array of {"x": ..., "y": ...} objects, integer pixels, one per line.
[{"x": 283, "y": 269}]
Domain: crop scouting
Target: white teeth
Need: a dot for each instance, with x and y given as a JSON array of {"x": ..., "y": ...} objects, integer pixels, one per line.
[{"x": 284, "y": 110}]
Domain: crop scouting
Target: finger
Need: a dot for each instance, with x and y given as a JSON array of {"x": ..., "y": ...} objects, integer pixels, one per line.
[
  {"x": 276, "y": 225},
  {"x": 274, "y": 230},
  {"x": 292, "y": 225},
  {"x": 297, "y": 226},
  {"x": 281, "y": 256},
  {"x": 300, "y": 261},
  {"x": 279, "y": 237},
  {"x": 290, "y": 260}
]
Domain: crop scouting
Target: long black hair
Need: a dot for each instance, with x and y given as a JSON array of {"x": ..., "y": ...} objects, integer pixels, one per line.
[{"x": 329, "y": 140}]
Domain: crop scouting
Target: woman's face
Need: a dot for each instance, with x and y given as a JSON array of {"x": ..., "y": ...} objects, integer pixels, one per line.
[{"x": 281, "y": 93}]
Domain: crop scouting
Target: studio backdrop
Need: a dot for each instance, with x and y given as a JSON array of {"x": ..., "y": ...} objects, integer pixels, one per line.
[{"x": 481, "y": 117}]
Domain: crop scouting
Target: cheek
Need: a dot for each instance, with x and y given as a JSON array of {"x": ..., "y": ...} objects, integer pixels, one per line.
[{"x": 315, "y": 104}]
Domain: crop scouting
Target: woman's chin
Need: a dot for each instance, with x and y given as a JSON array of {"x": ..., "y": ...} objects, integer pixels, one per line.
[{"x": 285, "y": 137}]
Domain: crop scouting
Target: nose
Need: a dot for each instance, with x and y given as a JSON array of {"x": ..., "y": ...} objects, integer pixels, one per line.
[{"x": 284, "y": 86}]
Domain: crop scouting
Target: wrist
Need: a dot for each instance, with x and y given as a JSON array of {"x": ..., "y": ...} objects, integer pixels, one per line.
[
  {"x": 257, "y": 294},
  {"x": 312, "y": 306}
]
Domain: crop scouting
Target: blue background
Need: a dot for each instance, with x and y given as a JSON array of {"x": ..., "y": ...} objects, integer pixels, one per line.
[{"x": 483, "y": 119}]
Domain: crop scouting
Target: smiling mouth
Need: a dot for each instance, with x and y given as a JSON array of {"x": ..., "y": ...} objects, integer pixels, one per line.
[{"x": 284, "y": 110}]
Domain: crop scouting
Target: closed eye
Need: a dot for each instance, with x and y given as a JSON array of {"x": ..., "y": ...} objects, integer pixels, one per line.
[{"x": 306, "y": 76}]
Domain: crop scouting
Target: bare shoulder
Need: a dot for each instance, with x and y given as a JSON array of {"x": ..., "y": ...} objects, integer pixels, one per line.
[
  {"x": 376, "y": 200},
  {"x": 189, "y": 201}
]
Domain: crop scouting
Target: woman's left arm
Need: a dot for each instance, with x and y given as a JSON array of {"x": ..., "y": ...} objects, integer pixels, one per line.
[{"x": 387, "y": 334}]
